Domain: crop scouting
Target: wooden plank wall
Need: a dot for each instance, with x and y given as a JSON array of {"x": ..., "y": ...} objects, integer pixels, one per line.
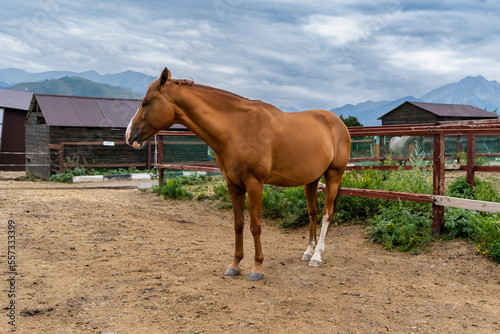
[
  {"x": 408, "y": 114},
  {"x": 37, "y": 141},
  {"x": 95, "y": 153}
]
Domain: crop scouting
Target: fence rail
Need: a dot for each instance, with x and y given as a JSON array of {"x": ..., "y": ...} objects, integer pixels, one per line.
[{"x": 438, "y": 132}]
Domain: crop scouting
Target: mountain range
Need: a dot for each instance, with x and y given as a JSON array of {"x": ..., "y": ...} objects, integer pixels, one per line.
[
  {"x": 475, "y": 91},
  {"x": 76, "y": 86},
  {"x": 134, "y": 81}
]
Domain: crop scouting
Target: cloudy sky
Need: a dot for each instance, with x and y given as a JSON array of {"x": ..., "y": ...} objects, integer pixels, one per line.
[{"x": 300, "y": 53}]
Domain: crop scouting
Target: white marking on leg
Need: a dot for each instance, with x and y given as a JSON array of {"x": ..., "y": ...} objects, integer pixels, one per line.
[
  {"x": 309, "y": 251},
  {"x": 316, "y": 259}
]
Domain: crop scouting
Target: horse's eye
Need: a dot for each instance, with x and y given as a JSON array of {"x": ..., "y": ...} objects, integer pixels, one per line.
[{"x": 145, "y": 104}]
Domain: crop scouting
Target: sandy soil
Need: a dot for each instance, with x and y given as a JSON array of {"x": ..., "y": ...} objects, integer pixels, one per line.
[{"x": 118, "y": 260}]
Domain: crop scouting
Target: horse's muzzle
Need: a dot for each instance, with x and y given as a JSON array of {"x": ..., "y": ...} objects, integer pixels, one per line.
[{"x": 133, "y": 139}]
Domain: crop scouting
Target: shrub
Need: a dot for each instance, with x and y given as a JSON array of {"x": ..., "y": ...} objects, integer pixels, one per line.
[
  {"x": 396, "y": 226},
  {"x": 62, "y": 177},
  {"x": 485, "y": 191},
  {"x": 79, "y": 171},
  {"x": 287, "y": 205},
  {"x": 482, "y": 191},
  {"x": 172, "y": 189},
  {"x": 221, "y": 193},
  {"x": 460, "y": 188},
  {"x": 352, "y": 208},
  {"x": 495, "y": 251},
  {"x": 461, "y": 223}
]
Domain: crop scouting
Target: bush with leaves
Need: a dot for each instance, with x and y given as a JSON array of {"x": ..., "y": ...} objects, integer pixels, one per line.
[
  {"x": 62, "y": 177},
  {"x": 398, "y": 227},
  {"x": 482, "y": 190},
  {"x": 172, "y": 189},
  {"x": 287, "y": 205},
  {"x": 461, "y": 223},
  {"x": 353, "y": 208}
]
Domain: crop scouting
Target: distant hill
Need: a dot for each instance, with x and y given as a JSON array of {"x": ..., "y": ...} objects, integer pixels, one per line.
[
  {"x": 76, "y": 86},
  {"x": 368, "y": 112},
  {"x": 475, "y": 91},
  {"x": 134, "y": 81}
]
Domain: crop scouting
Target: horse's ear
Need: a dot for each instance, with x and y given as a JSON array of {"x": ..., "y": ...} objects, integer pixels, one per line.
[{"x": 165, "y": 75}]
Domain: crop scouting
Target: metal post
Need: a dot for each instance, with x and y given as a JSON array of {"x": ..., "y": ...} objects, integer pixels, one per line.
[{"x": 438, "y": 183}]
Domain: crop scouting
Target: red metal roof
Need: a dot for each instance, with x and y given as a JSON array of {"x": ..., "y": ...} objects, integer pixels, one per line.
[
  {"x": 450, "y": 110},
  {"x": 77, "y": 111},
  {"x": 14, "y": 99},
  {"x": 454, "y": 110}
]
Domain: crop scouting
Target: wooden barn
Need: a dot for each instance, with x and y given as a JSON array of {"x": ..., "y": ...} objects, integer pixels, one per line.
[
  {"x": 57, "y": 123},
  {"x": 14, "y": 106},
  {"x": 421, "y": 112}
]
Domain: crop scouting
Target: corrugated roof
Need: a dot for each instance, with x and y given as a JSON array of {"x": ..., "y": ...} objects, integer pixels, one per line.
[
  {"x": 77, "y": 111},
  {"x": 14, "y": 99},
  {"x": 454, "y": 110},
  {"x": 449, "y": 110}
]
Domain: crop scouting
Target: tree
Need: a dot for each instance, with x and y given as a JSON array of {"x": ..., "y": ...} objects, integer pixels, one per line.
[{"x": 350, "y": 121}]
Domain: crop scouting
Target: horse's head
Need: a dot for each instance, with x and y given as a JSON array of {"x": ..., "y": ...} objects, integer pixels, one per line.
[{"x": 155, "y": 113}]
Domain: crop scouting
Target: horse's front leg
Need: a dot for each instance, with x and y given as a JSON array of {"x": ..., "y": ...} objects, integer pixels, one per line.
[
  {"x": 238, "y": 199},
  {"x": 254, "y": 189}
]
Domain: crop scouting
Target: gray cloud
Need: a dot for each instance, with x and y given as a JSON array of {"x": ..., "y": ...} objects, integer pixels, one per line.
[{"x": 299, "y": 53}]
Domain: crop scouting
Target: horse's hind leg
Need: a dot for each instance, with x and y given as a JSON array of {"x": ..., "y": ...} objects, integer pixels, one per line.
[
  {"x": 332, "y": 180},
  {"x": 311, "y": 192}
]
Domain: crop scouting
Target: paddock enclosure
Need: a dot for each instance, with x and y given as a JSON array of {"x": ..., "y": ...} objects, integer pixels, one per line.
[
  {"x": 464, "y": 134},
  {"x": 117, "y": 260}
]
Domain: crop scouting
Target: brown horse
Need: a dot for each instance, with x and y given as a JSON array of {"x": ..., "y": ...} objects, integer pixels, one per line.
[{"x": 255, "y": 144}]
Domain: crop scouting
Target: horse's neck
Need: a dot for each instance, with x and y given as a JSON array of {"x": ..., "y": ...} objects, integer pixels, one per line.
[{"x": 208, "y": 113}]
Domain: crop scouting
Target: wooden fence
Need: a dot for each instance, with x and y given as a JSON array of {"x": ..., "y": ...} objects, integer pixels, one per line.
[{"x": 437, "y": 131}]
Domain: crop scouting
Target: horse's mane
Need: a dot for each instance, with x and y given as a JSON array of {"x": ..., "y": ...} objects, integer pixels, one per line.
[{"x": 191, "y": 83}]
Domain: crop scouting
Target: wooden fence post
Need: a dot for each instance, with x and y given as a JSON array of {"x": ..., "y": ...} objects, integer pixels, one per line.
[
  {"x": 471, "y": 153},
  {"x": 61, "y": 158},
  {"x": 459, "y": 150},
  {"x": 160, "y": 159},
  {"x": 438, "y": 182},
  {"x": 148, "y": 162}
]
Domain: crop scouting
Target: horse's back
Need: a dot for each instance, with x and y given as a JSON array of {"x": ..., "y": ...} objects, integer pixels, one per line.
[
  {"x": 306, "y": 144},
  {"x": 335, "y": 130}
]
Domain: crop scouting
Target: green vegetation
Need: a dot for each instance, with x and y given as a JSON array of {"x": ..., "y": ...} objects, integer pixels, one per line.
[
  {"x": 76, "y": 86},
  {"x": 350, "y": 121},
  {"x": 400, "y": 225},
  {"x": 173, "y": 189},
  {"x": 67, "y": 176}
]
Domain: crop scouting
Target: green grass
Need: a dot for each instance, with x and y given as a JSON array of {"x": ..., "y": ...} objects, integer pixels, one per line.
[
  {"x": 400, "y": 225},
  {"x": 67, "y": 176}
]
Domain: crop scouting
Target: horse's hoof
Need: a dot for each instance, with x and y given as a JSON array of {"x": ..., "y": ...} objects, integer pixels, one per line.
[
  {"x": 232, "y": 272},
  {"x": 255, "y": 276},
  {"x": 306, "y": 257},
  {"x": 314, "y": 263}
]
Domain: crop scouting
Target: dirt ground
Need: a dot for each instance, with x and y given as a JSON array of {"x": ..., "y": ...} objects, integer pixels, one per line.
[{"x": 118, "y": 260}]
